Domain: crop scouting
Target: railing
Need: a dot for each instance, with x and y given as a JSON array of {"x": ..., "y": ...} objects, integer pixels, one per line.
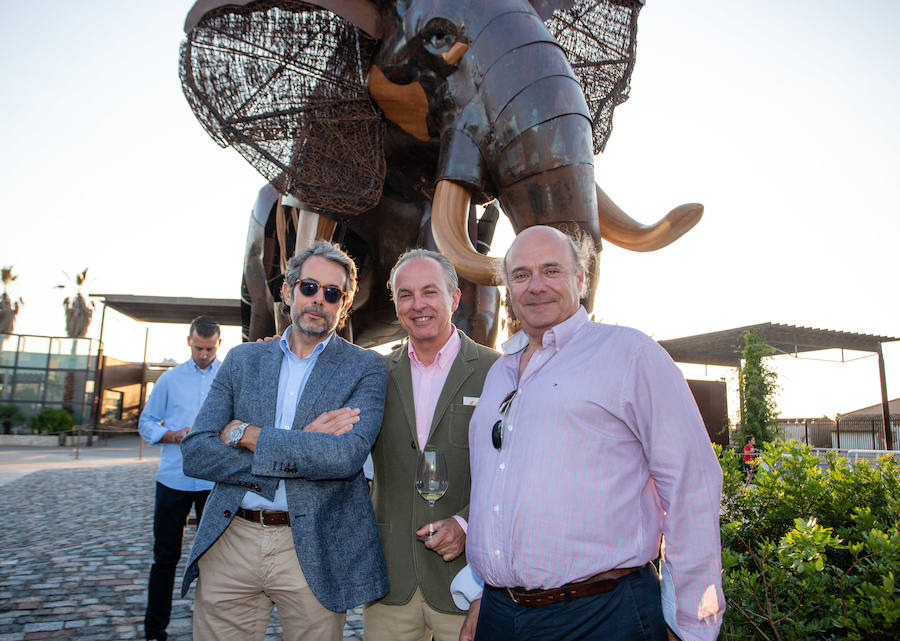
[{"x": 843, "y": 434}]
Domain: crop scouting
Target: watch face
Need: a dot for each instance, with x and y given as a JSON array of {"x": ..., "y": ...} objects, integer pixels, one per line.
[{"x": 235, "y": 436}]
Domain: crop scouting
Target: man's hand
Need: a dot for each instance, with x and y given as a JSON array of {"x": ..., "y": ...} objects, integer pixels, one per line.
[
  {"x": 268, "y": 339},
  {"x": 672, "y": 635},
  {"x": 175, "y": 436},
  {"x": 449, "y": 540},
  {"x": 248, "y": 440},
  {"x": 467, "y": 633},
  {"x": 335, "y": 422}
]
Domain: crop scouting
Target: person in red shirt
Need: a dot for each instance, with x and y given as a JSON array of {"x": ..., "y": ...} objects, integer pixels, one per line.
[{"x": 749, "y": 454}]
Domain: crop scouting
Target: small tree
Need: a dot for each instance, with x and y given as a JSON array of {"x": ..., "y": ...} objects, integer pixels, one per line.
[
  {"x": 9, "y": 308},
  {"x": 10, "y": 414},
  {"x": 758, "y": 386}
]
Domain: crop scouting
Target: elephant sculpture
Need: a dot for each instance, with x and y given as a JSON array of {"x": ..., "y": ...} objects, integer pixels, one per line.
[{"x": 387, "y": 121}]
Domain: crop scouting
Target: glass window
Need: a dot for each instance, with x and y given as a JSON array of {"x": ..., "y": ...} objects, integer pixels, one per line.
[
  {"x": 70, "y": 353},
  {"x": 29, "y": 385},
  {"x": 37, "y": 348},
  {"x": 9, "y": 345},
  {"x": 56, "y": 385},
  {"x": 112, "y": 405},
  {"x": 6, "y": 379}
]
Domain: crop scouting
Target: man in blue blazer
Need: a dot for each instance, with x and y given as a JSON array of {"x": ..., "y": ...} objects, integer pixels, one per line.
[{"x": 284, "y": 432}]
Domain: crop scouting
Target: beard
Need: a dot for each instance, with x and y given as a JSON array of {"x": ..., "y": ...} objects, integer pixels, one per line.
[{"x": 314, "y": 327}]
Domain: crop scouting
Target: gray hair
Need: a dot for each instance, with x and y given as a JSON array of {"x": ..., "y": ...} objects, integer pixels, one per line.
[
  {"x": 584, "y": 253},
  {"x": 328, "y": 251},
  {"x": 449, "y": 271}
]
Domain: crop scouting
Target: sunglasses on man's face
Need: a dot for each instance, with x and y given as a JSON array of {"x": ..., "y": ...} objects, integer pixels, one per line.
[
  {"x": 330, "y": 293},
  {"x": 497, "y": 430}
]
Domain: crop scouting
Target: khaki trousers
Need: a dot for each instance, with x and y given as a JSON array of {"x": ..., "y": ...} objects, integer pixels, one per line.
[
  {"x": 246, "y": 572},
  {"x": 412, "y": 621}
]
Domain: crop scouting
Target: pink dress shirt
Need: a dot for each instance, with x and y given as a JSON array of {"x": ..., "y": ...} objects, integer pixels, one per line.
[
  {"x": 603, "y": 452},
  {"x": 427, "y": 383}
]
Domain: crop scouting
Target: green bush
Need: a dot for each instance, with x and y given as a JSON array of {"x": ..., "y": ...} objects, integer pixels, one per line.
[
  {"x": 10, "y": 414},
  {"x": 51, "y": 421},
  {"x": 811, "y": 553}
]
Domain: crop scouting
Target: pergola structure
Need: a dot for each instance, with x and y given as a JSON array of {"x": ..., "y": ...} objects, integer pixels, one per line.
[
  {"x": 172, "y": 309},
  {"x": 161, "y": 309},
  {"x": 722, "y": 348}
]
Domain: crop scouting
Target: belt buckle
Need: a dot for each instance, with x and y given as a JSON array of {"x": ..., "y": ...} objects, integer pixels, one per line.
[
  {"x": 511, "y": 595},
  {"x": 262, "y": 518}
]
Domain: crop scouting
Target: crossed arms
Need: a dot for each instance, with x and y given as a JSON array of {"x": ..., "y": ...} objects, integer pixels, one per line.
[{"x": 332, "y": 446}]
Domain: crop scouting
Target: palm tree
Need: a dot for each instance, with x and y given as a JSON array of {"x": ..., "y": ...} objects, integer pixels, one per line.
[
  {"x": 9, "y": 309},
  {"x": 79, "y": 310}
]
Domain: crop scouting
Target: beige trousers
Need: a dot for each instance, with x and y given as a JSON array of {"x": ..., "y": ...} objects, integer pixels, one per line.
[
  {"x": 412, "y": 621},
  {"x": 246, "y": 572}
]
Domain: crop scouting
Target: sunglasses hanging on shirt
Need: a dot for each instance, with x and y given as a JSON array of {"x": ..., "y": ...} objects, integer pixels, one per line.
[{"x": 497, "y": 430}]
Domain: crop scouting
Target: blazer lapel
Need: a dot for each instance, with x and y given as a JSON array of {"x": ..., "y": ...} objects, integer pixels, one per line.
[
  {"x": 460, "y": 371},
  {"x": 325, "y": 368},
  {"x": 401, "y": 376},
  {"x": 269, "y": 372}
]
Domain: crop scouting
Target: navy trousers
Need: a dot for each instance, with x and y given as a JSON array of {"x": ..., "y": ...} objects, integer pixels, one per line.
[
  {"x": 630, "y": 612},
  {"x": 169, "y": 517}
]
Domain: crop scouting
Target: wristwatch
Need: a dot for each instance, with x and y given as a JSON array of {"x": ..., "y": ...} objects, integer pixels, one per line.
[{"x": 235, "y": 436}]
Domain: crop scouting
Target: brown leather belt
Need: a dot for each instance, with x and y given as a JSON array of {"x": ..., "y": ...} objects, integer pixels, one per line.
[
  {"x": 603, "y": 582},
  {"x": 266, "y": 517}
]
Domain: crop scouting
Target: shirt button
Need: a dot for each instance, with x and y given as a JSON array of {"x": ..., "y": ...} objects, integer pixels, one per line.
[
  {"x": 496, "y": 552},
  {"x": 509, "y": 427},
  {"x": 496, "y": 508},
  {"x": 503, "y": 466}
]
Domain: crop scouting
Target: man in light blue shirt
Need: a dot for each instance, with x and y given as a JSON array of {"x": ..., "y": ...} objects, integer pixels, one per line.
[
  {"x": 165, "y": 421},
  {"x": 284, "y": 433}
]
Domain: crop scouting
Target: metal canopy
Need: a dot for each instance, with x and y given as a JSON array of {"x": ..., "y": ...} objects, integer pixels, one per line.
[
  {"x": 171, "y": 309},
  {"x": 720, "y": 348}
]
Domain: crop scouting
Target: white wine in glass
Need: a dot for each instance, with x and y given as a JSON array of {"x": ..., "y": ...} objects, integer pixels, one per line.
[{"x": 431, "y": 477}]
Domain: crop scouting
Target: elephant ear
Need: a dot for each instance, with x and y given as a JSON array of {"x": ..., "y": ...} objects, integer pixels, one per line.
[
  {"x": 284, "y": 83},
  {"x": 599, "y": 38}
]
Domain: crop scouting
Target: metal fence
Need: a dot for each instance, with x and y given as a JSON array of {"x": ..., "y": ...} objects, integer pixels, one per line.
[{"x": 843, "y": 434}]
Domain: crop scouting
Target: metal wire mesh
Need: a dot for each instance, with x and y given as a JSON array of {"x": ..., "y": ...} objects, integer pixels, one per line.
[
  {"x": 599, "y": 39},
  {"x": 284, "y": 83}
]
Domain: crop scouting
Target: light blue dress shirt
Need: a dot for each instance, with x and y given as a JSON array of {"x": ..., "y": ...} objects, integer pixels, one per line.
[
  {"x": 174, "y": 403},
  {"x": 292, "y": 380}
]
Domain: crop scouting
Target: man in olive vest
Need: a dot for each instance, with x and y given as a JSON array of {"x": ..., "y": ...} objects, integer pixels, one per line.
[{"x": 434, "y": 382}]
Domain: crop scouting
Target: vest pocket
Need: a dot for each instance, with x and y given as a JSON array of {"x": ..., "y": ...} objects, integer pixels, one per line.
[{"x": 460, "y": 415}]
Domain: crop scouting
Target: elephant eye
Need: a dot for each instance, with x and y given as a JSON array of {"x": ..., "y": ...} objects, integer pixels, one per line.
[{"x": 439, "y": 35}]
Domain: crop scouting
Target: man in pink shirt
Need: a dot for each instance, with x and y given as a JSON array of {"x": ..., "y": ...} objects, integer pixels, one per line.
[
  {"x": 586, "y": 449},
  {"x": 434, "y": 382}
]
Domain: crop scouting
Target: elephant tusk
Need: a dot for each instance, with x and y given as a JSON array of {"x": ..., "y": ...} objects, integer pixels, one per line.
[
  {"x": 620, "y": 229},
  {"x": 455, "y": 52},
  {"x": 449, "y": 214}
]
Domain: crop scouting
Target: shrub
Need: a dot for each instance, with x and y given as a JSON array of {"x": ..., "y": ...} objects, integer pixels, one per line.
[
  {"x": 810, "y": 551},
  {"x": 10, "y": 414},
  {"x": 51, "y": 421}
]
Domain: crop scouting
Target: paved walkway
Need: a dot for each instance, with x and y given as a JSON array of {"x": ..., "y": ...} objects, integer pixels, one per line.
[{"x": 76, "y": 546}]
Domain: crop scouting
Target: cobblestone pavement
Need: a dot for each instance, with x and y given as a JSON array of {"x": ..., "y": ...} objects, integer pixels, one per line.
[{"x": 76, "y": 551}]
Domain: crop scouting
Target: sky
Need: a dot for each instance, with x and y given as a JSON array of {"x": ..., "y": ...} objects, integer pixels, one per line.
[{"x": 780, "y": 121}]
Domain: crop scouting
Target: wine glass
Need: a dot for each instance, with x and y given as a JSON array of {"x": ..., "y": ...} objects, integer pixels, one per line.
[{"x": 431, "y": 478}]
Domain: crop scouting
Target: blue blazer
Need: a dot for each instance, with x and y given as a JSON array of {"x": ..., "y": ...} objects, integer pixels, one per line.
[{"x": 332, "y": 522}]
